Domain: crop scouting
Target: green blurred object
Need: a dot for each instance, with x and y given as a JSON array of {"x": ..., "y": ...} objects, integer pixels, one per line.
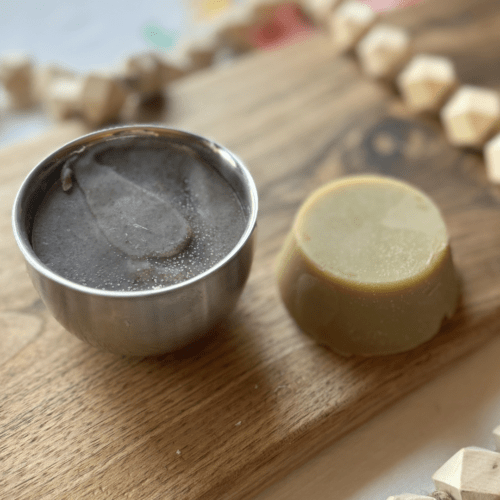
[{"x": 160, "y": 37}]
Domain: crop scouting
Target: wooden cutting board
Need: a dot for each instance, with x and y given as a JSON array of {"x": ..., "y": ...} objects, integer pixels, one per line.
[{"x": 226, "y": 417}]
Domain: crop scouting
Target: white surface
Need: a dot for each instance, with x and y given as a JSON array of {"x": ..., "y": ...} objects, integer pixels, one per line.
[{"x": 399, "y": 450}]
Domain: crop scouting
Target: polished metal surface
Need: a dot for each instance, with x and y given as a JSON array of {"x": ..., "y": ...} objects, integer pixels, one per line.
[{"x": 144, "y": 322}]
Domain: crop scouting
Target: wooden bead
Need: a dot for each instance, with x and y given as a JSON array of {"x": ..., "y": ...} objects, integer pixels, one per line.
[
  {"x": 44, "y": 77},
  {"x": 426, "y": 82},
  {"x": 350, "y": 22},
  {"x": 235, "y": 37},
  {"x": 470, "y": 474},
  {"x": 202, "y": 56},
  {"x": 64, "y": 97},
  {"x": 441, "y": 495},
  {"x": 319, "y": 10},
  {"x": 142, "y": 108},
  {"x": 202, "y": 52},
  {"x": 383, "y": 51},
  {"x": 263, "y": 11},
  {"x": 102, "y": 98},
  {"x": 144, "y": 73},
  {"x": 196, "y": 53},
  {"x": 170, "y": 71},
  {"x": 233, "y": 29},
  {"x": 409, "y": 496},
  {"x": 496, "y": 436},
  {"x": 492, "y": 161},
  {"x": 471, "y": 116},
  {"x": 16, "y": 74}
]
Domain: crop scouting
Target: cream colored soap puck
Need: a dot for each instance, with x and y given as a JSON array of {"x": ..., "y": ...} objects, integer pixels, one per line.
[{"x": 366, "y": 268}]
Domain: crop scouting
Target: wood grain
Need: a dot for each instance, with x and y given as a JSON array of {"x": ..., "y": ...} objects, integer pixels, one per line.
[{"x": 231, "y": 414}]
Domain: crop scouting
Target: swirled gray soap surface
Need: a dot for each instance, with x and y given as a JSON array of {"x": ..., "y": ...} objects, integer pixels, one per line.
[{"x": 136, "y": 213}]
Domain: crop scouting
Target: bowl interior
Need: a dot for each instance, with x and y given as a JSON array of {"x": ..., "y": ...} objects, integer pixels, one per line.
[{"x": 48, "y": 172}]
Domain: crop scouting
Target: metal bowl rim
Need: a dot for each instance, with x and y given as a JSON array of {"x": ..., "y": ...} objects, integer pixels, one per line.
[{"x": 33, "y": 260}]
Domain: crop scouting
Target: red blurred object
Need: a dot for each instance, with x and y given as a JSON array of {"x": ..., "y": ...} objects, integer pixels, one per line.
[{"x": 284, "y": 24}]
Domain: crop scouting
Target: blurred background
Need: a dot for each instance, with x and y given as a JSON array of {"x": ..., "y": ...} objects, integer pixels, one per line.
[
  {"x": 56, "y": 45},
  {"x": 90, "y": 36}
]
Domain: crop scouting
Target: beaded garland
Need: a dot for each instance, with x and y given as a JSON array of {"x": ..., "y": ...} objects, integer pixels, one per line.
[{"x": 470, "y": 115}]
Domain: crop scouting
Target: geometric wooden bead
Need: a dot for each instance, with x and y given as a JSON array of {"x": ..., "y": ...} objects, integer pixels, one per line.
[
  {"x": 142, "y": 108},
  {"x": 232, "y": 29},
  {"x": 45, "y": 76},
  {"x": 144, "y": 73},
  {"x": 409, "y": 496},
  {"x": 470, "y": 474},
  {"x": 201, "y": 53},
  {"x": 471, "y": 116},
  {"x": 16, "y": 74},
  {"x": 441, "y": 495},
  {"x": 427, "y": 82},
  {"x": 496, "y": 436},
  {"x": 169, "y": 71},
  {"x": 350, "y": 22},
  {"x": 102, "y": 98},
  {"x": 492, "y": 162},
  {"x": 63, "y": 97},
  {"x": 235, "y": 38},
  {"x": 318, "y": 10},
  {"x": 383, "y": 50}
]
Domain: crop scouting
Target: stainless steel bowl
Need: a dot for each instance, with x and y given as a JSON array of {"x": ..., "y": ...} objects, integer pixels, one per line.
[{"x": 142, "y": 322}]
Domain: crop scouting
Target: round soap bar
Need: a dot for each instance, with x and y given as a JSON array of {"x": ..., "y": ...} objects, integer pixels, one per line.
[{"x": 367, "y": 267}]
